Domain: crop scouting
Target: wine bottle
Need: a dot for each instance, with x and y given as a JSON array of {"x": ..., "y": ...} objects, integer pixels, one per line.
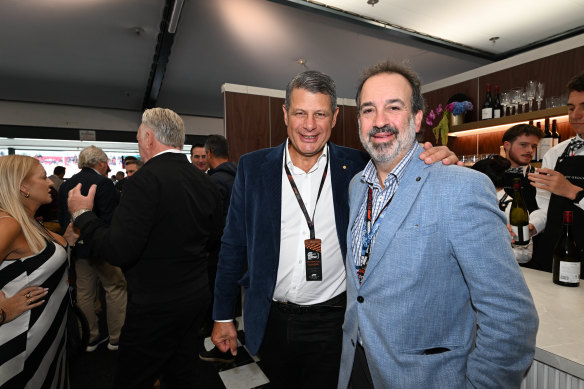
[
  {"x": 536, "y": 156},
  {"x": 519, "y": 216},
  {"x": 555, "y": 135},
  {"x": 566, "y": 266},
  {"x": 545, "y": 143},
  {"x": 487, "y": 111},
  {"x": 497, "y": 107}
]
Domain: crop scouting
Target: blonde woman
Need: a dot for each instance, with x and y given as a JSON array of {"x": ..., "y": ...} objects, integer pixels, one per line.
[{"x": 33, "y": 281}]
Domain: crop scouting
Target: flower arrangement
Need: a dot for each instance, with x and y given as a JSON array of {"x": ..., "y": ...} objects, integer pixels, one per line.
[{"x": 454, "y": 108}]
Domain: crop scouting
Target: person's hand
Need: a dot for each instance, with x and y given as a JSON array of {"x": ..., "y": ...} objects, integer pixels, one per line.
[
  {"x": 76, "y": 201},
  {"x": 71, "y": 234},
  {"x": 532, "y": 230},
  {"x": 433, "y": 154},
  {"x": 224, "y": 336},
  {"x": 554, "y": 182},
  {"x": 25, "y": 299}
]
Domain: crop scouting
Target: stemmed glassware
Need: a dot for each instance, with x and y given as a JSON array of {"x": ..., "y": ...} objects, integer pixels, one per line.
[
  {"x": 515, "y": 100},
  {"x": 530, "y": 90},
  {"x": 506, "y": 102},
  {"x": 539, "y": 91}
]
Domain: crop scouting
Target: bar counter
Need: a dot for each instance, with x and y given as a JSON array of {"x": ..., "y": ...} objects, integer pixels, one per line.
[{"x": 559, "y": 356}]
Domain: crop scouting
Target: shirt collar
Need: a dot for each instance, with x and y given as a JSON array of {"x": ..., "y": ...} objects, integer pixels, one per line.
[
  {"x": 291, "y": 166},
  {"x": 370, "y": 177},
  {"x": 168, "y": 151}
]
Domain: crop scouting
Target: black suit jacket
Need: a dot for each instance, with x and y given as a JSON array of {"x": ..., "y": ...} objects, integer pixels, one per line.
[
  {"x": 169, "y": 217},
  {"x": 106, "y": 200}
]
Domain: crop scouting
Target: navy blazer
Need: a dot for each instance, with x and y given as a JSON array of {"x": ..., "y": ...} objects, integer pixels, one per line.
[
  {"x": 105, "y": 203},
  {"x": 251, "y": 239}
]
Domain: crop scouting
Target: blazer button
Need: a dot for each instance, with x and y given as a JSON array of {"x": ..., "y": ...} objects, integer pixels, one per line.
[{"x": 360, "y": 299}]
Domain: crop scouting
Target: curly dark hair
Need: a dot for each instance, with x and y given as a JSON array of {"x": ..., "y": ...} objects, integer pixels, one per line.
[{"x": 494, "y": 167}]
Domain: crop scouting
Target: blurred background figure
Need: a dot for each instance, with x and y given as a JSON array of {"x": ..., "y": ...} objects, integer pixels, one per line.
[
  {"x": 57, "y": 177},
  {"x": 93, "y": 163},
  {"x": 33, "y": 273},
  {"x": 199, "y": 157}
]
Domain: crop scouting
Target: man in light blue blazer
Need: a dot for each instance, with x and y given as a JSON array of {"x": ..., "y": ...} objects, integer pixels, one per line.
[{"x": 435, "y": 298}]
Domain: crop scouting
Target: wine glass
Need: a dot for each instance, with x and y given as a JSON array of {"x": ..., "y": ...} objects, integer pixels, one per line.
[
  {"x": 539, "y": 91},
  {"x": 530, "y": 90},
  {"x": 505, "y": 102},
  {"x": 515, "y": 100},
  {"x": 524, "y": 101}
]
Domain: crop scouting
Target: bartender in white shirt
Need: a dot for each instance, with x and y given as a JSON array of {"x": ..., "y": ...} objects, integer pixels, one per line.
[{"x": 560, "y": 183}]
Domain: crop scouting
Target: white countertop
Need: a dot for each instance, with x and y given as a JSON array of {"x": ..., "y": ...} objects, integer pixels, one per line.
[{"x": 560, "y": 338}]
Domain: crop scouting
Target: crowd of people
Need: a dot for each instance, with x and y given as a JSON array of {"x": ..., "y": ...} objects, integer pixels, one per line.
[{"x": 392, "y": 268}]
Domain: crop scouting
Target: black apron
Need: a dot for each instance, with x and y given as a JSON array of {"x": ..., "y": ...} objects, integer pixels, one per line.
[
  {"x": 573, "y": 169},
  {"x": 527, "y": 190}
]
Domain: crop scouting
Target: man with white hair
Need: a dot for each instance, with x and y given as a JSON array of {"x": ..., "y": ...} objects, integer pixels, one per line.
[
  {"x": 175, "y": 215},
  {"x": 93, "y": 163}
]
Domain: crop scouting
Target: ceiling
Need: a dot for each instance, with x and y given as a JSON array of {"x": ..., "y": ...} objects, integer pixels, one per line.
[{"x": 120, "y": 54}]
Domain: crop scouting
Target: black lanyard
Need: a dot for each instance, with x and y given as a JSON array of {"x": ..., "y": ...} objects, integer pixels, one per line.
[{"x": 309, "y": 221}]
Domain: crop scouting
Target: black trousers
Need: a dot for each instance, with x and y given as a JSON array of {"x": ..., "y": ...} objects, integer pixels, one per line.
[
  {"x": 160, "y": 341},
  {"x": 360, "y": 376},
  {"x": 302, "y": 346}
]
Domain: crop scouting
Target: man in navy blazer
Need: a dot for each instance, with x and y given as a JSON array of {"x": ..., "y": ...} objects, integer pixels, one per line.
[
  {"x": 435, "y": 298},
  {"x": 290, "y": 261}
]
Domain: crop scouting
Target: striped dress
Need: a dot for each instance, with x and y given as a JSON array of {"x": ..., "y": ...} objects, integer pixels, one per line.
[{"x": 32, "y": 346}]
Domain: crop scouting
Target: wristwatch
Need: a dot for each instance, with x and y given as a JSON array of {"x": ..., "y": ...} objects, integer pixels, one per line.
[
  {"x": 78, "y": 213},
  {"x": 579, "y": 196}
]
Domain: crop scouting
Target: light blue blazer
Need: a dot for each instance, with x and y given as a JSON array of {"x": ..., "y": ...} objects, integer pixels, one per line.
[{"x": 442, "y": 278}]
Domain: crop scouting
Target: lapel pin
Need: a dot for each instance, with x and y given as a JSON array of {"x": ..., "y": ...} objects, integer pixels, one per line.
[{"x": 344, "y": 167}]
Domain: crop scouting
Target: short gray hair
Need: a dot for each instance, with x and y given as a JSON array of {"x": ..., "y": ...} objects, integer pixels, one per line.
[
  {"x": 167, "y": 126},
  {"x": 314, "y": 82},
  {"x": 416, "y": 100},
  {"x": 91, "y": 156}
]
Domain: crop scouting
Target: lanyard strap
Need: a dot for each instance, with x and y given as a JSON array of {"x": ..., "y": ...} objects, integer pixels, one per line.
[
  {"x": 309, "y": 221},
  {"x": 368, "y": 231}
]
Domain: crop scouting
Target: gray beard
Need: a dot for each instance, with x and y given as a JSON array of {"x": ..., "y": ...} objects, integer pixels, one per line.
[{"x": 388, "y": 151}]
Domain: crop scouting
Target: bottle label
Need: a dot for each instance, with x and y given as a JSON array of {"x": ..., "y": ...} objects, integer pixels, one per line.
[
  {"x": 521, "y": 234},
  {"x": 569, "y": 272},
  {"x": 487, "y": 113},
  {"x": 496, "y": 113},
  {"x": 544, "y": 145}
]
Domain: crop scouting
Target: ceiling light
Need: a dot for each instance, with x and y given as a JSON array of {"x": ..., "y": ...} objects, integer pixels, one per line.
[{"x": 372, "y": 2}]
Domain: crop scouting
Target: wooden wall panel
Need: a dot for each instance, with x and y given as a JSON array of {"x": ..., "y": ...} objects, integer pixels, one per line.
[
  {"x": 554, "y": 71},
  {"x": 278, "y": 131},
  {"x": 246, "y": 123},
  {"x": 338, "y": 131},
  {"x": 463, "y": 145},
  {"x": 351, "y": 128}
]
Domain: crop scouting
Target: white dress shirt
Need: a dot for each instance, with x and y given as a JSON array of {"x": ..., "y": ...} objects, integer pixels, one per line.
[
  {"x": 539, "y": 217},
  {"x": 291, "y": 284}
]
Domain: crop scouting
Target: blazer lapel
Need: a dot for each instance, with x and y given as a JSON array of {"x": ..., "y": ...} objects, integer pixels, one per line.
[
  {"x": 405, "y": 196},
  {"x": 358, "y": 194},
  {"x": 270, "y": 196}
]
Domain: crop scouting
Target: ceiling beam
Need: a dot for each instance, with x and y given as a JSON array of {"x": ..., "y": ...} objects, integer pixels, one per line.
[{"x": 168, "y": 25}]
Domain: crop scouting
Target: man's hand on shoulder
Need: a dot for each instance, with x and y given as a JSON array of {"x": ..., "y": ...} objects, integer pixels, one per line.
[
  {"x": 432, "y": 154},
  {"x": 76, "y": 201}
]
